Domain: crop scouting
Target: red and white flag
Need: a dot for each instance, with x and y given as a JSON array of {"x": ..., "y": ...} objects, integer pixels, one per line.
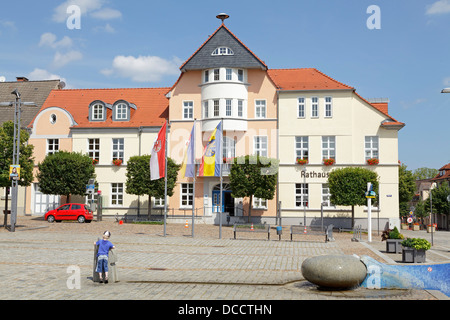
[{"x": 158, "y": 156}]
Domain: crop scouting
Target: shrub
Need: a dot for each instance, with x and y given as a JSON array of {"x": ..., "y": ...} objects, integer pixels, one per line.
[
  {"x": 391, "y": 234},
  {"x": 417, "y": 243}
]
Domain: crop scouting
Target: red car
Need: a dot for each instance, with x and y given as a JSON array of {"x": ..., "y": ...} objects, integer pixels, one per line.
[{"x": 70, "y": 211}]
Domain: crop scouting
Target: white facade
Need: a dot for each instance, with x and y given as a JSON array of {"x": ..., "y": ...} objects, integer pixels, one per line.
[{"x": 322, "y": 124}]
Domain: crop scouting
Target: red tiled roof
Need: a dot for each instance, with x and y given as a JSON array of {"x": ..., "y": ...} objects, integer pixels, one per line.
[
  {"x": 383, "y": 107},
  {"x": 152, "y": 105},
  {"x": 313, "y": 79},
  {"x": 445, "y": 176},
  {"x": 304, "y": 79}
]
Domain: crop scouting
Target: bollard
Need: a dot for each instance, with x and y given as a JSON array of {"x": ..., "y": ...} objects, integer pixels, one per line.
[
  {"x": 279, "y": 232},
  {"x": 113, "y": 275},
  {"x": 95, "y": 276}
]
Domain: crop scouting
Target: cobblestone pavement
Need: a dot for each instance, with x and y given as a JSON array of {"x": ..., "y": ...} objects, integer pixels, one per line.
[{"x": 42, "y": 261}]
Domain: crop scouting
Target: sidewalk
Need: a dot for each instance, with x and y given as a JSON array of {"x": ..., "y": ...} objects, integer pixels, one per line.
[
  {"x": 439, "y": 252},
  {"x": 55, "y": 262}
]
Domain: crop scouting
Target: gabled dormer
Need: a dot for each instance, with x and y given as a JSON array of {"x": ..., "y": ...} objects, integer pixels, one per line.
[
  {"x": 97, "y": 111},
  {"x": 223, "y": 48},
  {"x": 121, "y": 110}
]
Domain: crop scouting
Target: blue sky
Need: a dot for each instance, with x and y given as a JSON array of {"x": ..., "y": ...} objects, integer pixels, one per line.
[{"x": 138, "y": 43}]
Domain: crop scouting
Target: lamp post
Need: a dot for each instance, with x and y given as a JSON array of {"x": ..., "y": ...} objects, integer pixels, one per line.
[
  {"x": 433, "y": 185},
  {"x": 448, "y": 200},
  {"x": 16, "y": 161},
  {"x": 16, "y": 153}
]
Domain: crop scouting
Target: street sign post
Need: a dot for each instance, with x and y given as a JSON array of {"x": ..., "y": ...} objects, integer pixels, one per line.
[{"x": 370, "y": 194}]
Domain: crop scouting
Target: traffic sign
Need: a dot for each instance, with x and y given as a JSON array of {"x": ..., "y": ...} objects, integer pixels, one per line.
[{"x": 371, "y": 195}]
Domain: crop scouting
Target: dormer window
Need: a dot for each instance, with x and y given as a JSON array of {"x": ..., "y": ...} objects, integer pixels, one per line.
[
  {"x": 121, "y": 112},
  {"x": 222, "y": 51},
  {"x": 97, "y": 111}
]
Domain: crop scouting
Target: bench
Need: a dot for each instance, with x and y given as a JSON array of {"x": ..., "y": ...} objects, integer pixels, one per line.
[
  {"x": 328, "y": 233},
  {"x": 249, "y": 227}
]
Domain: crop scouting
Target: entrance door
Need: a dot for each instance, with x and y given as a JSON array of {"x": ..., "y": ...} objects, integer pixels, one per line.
[
  {"x": 44, "y": 202},
  {"x": 227, "y": 199},
  {"x": 229, "y": 203}
]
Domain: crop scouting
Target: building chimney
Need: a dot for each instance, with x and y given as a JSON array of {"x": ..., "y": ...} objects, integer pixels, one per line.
[{"x": 22, "y": 79}]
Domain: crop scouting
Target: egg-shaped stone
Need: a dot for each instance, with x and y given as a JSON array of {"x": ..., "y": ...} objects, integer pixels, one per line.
[{"x": 334, "y": 271}]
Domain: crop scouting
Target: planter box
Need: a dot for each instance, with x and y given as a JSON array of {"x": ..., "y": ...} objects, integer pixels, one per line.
[
  {"x": 416, "y": 227},
  {"x": 431, "y": 229},
  {"x": 412, "y": 255},
  {"x": 394, "y": 245},
  {"x": 405, "y": 227}
]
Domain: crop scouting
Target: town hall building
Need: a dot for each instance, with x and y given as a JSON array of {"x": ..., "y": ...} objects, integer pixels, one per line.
[{"x": 307, "y": 120}]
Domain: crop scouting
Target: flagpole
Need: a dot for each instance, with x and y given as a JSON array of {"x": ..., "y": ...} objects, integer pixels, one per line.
[
  {"x": 165, "y": 183},
  {"x": 194, "y": 174},
  {"x": 221, "y": 180}
]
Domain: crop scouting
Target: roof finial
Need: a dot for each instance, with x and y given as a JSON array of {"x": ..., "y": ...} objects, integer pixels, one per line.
[{"x": 222, "y": 16}]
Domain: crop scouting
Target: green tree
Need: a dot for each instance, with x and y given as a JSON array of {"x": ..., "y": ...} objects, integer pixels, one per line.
[
  {"x": 406, "y": 184},
  {"x": 439, "y": 199},
  {"x": 253, "y": 176},
  {"x": 420, "y": 210},
  {"x": 139, "y": 183},
  {"x": 65, "y": 173},
  {"x": 406, "y": 189},
  {"x": 424, "y": 173},
  {"x": 26, "y": 159},
  {"x": 348, "y": 187}
]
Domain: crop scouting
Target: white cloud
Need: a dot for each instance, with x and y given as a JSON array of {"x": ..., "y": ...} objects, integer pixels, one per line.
[
  {"x": 49, "y": 39},
  {"x": 143, "y": 68},
  {"x": 107, "y": 28},
  {"x": 60, "y": 12},
  {"x": 412, "y": 104},
  {"x": 93, "y": 8},
  {"x": 61, "y": 59},
  {"x": 8, "y": 24},
  {"x": 439, "y": 7},
  {"x": 107, "y": 14},
  {"x": 41, "y": 74},
  {"x": 64, "y": 54}
]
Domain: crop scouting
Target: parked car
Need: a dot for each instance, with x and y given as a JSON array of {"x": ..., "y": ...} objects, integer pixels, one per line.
[{"x": 70, "y": 211}]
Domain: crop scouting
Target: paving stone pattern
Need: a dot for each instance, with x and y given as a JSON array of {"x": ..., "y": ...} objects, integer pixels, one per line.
[{"x": 37, "y": 261}]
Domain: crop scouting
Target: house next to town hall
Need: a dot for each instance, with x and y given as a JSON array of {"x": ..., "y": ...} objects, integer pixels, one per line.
[
  {"x": 33, "y": 95},
  {"x": 106, "y": 124}
]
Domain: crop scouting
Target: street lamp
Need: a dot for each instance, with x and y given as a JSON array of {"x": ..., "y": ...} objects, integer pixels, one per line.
[
  {"x": 433, "y": 185},
  {"x": 16, "y": 152},
  {"x": 16, "y": 161},
  {"x": 448, "y": 200}
]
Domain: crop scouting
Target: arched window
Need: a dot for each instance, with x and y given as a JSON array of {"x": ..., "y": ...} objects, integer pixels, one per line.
[
  {"x": 121, "y": 112},
  {"x": 98, "y": 112},
  {"x": 223, "y": 51}
]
